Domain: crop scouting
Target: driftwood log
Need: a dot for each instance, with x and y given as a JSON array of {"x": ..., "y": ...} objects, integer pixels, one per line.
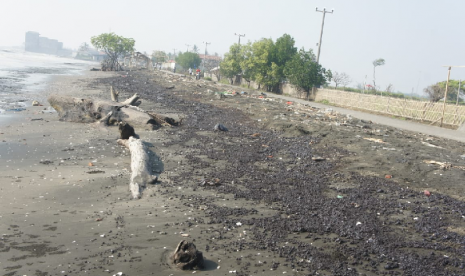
[
  {"x": 114, "y": 94},
  {"x": 80, "y": 110},
  {"x": 140, "y": 170},
  {"x": 87, "y": 110},
  {"x": 127, "y": 114},
  {"x": 186, "y": 256}
]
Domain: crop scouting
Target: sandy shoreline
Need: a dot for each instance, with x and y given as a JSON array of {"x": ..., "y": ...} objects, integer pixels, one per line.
[
  {"x": 275, "y": 211},
  {"x": 61, "y": 219}
]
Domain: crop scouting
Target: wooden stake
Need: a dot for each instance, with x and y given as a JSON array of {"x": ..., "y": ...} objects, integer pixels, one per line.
[{"x": 445, "y": 96}]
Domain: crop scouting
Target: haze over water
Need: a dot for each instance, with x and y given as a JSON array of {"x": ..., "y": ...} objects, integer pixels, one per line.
[{"x": 24, "y": 75}]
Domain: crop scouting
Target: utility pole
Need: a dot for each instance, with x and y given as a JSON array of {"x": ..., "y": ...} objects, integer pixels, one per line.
[
  {"x": 321, "y": 33},
  {"x": 188, "y": 47},
  {"x": 445, "y": 96},
  {"x": 205, "y": 56},
  {"x": 239, "y": 35},
  {"x": 445, "y": 93}
]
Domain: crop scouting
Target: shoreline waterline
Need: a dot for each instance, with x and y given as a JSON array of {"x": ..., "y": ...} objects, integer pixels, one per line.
[{"x": 24, "y": 76}]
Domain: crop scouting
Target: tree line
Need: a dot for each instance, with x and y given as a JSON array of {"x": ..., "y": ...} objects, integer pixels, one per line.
[
  {"x": 266, "y": 62},
  {"x": 455, "y": 92},
  {"x": 270, "y": 63}
]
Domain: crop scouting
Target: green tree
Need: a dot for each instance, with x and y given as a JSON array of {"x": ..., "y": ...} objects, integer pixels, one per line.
[
  {"x": 230, "y": 67},
  {"x": 159, "y": 56},
  {"x": 246, "y": 64},
  {"x": 195, "y": 49},
  {"x": 284, "y": 50},
  {"x": 452, "y": 90},
  {"x": 261, "y": 60},
  {"x": 302, "y": 71},
  {"x": 114, "y": 46},
  {"x": 188, "y": 60}
]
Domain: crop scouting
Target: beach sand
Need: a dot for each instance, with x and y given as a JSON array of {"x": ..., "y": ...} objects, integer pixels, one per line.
[{"x": 66, "y": 208}]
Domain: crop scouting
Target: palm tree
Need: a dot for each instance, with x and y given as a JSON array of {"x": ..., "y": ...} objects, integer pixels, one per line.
[{"x": 376, "y": 63}]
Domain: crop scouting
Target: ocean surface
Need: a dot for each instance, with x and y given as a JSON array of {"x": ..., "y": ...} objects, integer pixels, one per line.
[{"x": 24, "y": 76}]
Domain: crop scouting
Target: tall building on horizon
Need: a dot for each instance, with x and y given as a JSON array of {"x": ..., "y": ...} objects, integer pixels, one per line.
[{"x": 35, "y": 43}]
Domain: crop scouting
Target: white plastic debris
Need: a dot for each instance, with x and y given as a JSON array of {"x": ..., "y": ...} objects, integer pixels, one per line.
[{"x": 358, "y": 223}]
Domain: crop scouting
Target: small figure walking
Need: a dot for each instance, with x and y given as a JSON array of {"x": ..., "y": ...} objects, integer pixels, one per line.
[{"x": 190, "y": 71}]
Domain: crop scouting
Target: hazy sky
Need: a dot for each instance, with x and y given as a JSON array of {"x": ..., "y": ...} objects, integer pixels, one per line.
[{"x": 414, "y": 37}]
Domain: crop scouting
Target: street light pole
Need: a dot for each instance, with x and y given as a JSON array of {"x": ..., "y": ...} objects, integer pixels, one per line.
[
  {"x": 321, "y": 33},
  {"x": 239, "y": 35},
  {"x": 188, "y": 47}
]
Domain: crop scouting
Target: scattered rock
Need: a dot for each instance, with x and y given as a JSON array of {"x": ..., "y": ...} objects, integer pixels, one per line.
[
  {"x": 318, "y": 158},
  {"x": 220, "y": 127},
  {"x": 95, "y": 171}
]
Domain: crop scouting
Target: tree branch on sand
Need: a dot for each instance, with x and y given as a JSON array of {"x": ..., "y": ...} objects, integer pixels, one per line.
[{"x": 106, "y": 113}]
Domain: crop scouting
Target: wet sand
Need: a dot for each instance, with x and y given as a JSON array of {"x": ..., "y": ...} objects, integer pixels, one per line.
[{"x": 295, "y": 190}]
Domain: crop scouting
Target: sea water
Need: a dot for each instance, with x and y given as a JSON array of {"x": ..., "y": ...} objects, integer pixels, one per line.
[{"x": 24, "y": 75}]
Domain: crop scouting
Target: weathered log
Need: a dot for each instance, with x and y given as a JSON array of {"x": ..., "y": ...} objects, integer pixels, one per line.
[
  {"x": 186, "y": 256},
  {"x": 132, "y": 100},
  {"x": 163, "y": 120},
  {"x": 104, "y": 122},
  {"x": 136, "y": 118},
  {"x": 114, "y": 94},
  {"x": 87, "y": 111},
  {"x": 140, "y": 170}
]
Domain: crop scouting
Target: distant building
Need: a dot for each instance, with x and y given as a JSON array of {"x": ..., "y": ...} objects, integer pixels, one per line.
[
  {"x": 91, "y": 54},
  {"x": 209, "y": 62},
  {"x": 210, "y": 58},
  {"x": 35, "y": 43}
]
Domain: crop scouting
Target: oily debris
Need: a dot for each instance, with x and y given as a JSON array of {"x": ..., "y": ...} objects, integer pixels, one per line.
[{"x": 338, "y": 216}]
